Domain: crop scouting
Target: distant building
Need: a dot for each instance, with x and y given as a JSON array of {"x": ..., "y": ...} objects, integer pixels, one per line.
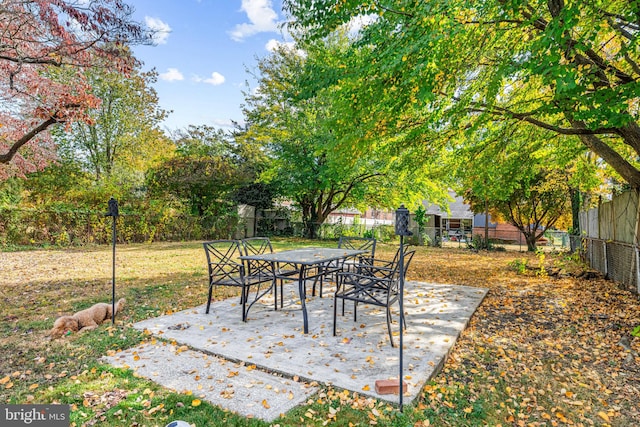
[{"x": 455, "y": 223}]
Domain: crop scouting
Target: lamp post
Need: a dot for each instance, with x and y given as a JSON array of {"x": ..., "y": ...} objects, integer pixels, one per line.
[
  {"x": 113, "y": 212},
  {"x": 402, "y": 229}
]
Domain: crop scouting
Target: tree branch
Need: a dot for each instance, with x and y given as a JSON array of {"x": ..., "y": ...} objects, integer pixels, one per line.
[
  {"x": 397, "y": 12},
  {"x": 6, "y": 158},
  {"x": 504, "y": 112}
]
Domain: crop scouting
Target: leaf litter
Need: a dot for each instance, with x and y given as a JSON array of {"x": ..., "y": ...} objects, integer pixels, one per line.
[{"x": 540, "y": 350}]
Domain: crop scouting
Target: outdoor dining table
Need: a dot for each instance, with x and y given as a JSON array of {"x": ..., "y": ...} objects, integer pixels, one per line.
[{"x": 314, "y": 262}]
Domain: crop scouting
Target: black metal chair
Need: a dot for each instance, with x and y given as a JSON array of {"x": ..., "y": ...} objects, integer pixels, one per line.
[
  {"x": 350, "y": 242},
  {"x": 376, "y": 282},
  {"x": 261, "y": 271},
  {"x": 226, "y": 270}
]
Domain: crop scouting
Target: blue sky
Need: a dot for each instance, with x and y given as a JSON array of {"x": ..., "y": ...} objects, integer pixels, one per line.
[{"x": 202, "y": 50}]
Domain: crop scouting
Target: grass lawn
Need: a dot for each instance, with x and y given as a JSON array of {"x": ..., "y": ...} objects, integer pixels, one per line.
[{"x": 540, "y": 350}]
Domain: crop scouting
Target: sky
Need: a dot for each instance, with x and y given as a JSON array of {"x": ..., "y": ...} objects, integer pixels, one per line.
[{"x": 202, "y": 51}]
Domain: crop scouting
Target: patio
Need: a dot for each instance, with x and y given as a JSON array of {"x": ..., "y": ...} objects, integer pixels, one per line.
[{"x": 267, "y": 366}]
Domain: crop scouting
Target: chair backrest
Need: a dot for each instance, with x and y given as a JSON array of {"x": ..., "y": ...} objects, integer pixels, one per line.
[
  {"x": 257, "y": 246},
  {"x": 408, "y": 256},
  {"x": 405, "y": 248},
  {"x": 359, "y": 243},
  {"x": 222, "y": 260}
]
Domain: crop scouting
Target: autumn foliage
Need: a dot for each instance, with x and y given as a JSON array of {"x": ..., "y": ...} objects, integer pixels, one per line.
[{"x": 45, "y": 47}]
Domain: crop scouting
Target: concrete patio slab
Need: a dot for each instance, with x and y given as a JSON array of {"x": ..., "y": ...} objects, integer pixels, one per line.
[{"x": 273, "y": 341}]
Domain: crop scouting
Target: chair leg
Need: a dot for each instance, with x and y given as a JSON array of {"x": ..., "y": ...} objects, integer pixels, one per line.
[
  {"x": 335, "y": 308},
  {"x": 245, "y": 297},
  {"x": 281, "y": 293},
  {"x": 275, "y": 294},
  {"x": 389, "y": 325},
  {"x": 209, "y": 299}
]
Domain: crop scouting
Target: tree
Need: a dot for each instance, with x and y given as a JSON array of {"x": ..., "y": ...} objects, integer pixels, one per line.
[
  {"x": 447, "y": 67},
  {"x": 523, "y": 176},
  {"x": 45, "y": 47},
  {"x": 123, "y": 130},
  {"x": 311, "y": 163},
  {"x": 204, "y": 172}
]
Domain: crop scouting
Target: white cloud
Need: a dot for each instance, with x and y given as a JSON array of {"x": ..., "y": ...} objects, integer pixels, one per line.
[
  {"x": 159, "y": 30},
  {"x": 262, "y": 18},
  {"x": 172, "y": 74},
  {"x": 216, "y": 79},
  {"x": 274, "y": 44}
]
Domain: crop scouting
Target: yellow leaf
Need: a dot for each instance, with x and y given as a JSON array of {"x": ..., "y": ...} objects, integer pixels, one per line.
[
  {"x": 265, "y": 404},
  {"x": 366, "y": 388},
  {"x": 468, "y": 410},
  {"x": 33, "y": 386},
  {"x": 604, "y": 416},
  {"x": 196, "y": 402},
  {"x": 5, "y": 380}
]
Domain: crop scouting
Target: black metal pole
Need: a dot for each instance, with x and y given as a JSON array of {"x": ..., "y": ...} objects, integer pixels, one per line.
[
  {"x": 113, "y": 270},
  {"x": 400, "y": 382},
  {"x": 113, "y": 213},
  {"x": 402, "y": 229}
]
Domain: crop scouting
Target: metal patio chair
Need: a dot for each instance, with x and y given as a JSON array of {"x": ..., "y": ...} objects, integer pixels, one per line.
[
  {"x": 259, "y": 270},
  {"x": 376, "y": 282},
  {"x": 226, "y": 270},
  {"x": 350, "y": 242}
]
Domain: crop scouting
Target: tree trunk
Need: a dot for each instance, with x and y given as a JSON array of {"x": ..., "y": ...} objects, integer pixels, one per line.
[
  {"x": 531, "y": 241},
  {"x": 575, "y": 211}
]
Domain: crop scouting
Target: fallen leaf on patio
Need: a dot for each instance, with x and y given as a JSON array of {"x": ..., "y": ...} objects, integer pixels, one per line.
[
  {"x": 366, "y": 388},
  {"x": 232, "y": 374},
  {"x": 346, "y": 340},
  {"x": 290, "y": 396},
  {"x": 251, "y": 367},
  {"x": 196, "y": 402},
  {"x": 265, "y": 404}
]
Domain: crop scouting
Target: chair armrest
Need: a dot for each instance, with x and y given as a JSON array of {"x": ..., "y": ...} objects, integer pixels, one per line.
[{"x": 375, "y": 261}]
